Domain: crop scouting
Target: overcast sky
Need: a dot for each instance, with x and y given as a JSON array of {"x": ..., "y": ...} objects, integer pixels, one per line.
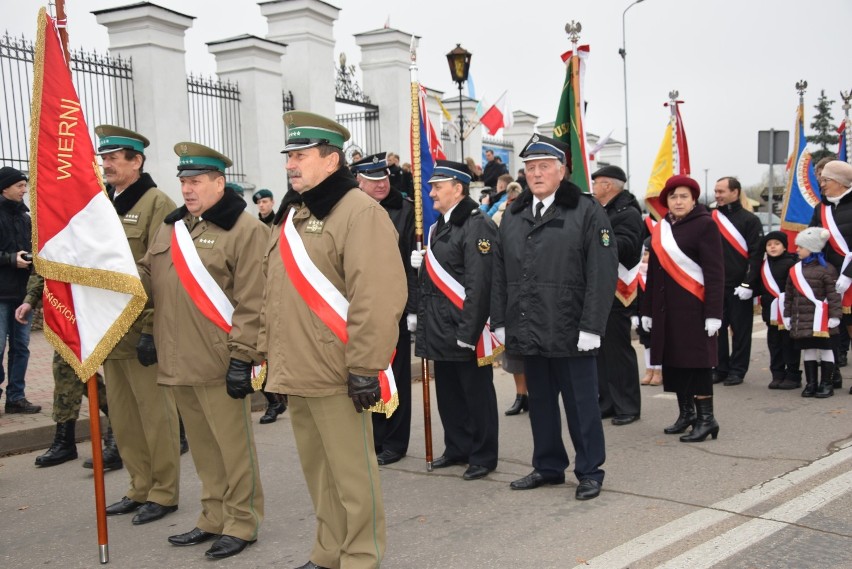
[{"x": 734, "y": 62}]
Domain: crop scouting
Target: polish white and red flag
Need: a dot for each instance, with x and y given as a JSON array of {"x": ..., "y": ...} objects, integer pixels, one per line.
[
  {"x": 499, "y": 115},
  {"x": 92, "y": 292}
]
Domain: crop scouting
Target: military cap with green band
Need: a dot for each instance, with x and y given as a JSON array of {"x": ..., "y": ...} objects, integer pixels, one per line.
[
  {"x": 112, "y": 138},
  {"x": 306, "y": 130},
  {"x": 198, "y": 159}
]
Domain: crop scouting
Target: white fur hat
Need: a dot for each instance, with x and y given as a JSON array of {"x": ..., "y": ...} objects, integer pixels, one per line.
[{"x": 813, "y": 239}]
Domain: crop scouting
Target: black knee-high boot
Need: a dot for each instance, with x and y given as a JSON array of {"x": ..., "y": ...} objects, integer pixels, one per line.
[
  {"x": 826, "y": 380},
  {"x": 705, "y": 424},
  {"x": 811, "y": 376}
]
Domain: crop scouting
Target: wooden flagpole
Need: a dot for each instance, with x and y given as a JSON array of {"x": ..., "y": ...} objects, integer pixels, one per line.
[
  {"x": 416, "y": 173},
  {"x": 92, "y": 383}
]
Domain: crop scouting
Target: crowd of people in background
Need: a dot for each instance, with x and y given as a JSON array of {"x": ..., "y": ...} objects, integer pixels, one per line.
[{"x": 549, "y": 283}]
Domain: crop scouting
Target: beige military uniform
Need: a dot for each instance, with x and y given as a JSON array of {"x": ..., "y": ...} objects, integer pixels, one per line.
[
  {"x": 143, "y": 414},
  {"x": 194, "y": 355},
  {"x": 355, "y": 247}
]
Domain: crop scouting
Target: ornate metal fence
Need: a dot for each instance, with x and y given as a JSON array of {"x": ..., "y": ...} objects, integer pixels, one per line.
[
  {"x": 104, "y": 85},
  {"x": 214, "y": 119},
  {"x": 364, "y": 124},
  {"x": 288, "y": 101}
]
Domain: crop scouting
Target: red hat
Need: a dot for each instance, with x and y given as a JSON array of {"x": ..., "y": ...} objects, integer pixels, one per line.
[{"x": 680, "y": 181}]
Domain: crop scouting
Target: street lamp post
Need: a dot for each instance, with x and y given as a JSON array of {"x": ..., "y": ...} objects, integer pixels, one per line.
[
  {"x": 459, "y": 60},
  {"x": 623, "y": 53}
]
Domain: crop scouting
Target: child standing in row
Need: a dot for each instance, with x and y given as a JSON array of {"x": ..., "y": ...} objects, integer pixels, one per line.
[
  {"x": 783, "y": 355},
  {"x": 812, "y": 310}
]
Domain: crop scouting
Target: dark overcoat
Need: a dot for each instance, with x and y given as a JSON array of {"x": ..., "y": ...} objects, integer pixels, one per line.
[
  {"x": 843, "y": 219},
  {"x": 678, "y": 338},
  {"x": 555, "y": 278}
]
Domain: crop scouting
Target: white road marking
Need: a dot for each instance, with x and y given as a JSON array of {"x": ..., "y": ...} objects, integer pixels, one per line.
[
  {"x": 731, "y": 542},
  {"x": 664, "y": 536}
]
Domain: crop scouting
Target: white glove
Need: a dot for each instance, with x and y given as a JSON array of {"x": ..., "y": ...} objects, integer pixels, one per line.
[
  {"x": 411, "y": 322},
  {"x": 843, "y": 283},
  {"x": 588, "y": 341},
  {"x": 634, "y": 322},
  {"x": 833, "y": 322},
  {"x": 743, "y": 293},
  {"x": 461, "y": 344},
  {"x": 501, "y": 334},
  {"x": 646, "y": 323},
  {"x": 712, "y": 325},
  {"x": 788, "y": 322},
  {"x": 417, "y": 259}
]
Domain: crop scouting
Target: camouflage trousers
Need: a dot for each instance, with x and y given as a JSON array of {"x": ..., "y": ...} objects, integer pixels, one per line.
[{"x": 68, "y": 392}]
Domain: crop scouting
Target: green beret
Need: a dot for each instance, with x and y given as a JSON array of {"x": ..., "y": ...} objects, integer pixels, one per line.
[{"x": 260, "y": 194}]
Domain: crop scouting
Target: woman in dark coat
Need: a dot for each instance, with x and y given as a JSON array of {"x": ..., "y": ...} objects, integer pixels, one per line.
[{"x": 683, "y": 297}]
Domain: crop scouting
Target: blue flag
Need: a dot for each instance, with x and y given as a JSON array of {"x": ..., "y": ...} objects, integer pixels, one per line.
[
  {"x": 842, "y": 153},
  {"x": 802, "y": 193}
]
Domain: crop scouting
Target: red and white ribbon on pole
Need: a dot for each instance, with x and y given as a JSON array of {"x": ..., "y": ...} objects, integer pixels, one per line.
[
  {"x": 776, "y": 309},
  {"x": 838, "y": 243},
  {"x": 327, "y": 303},
  {"x": 487, "y": 346},
  {"x": 730, "y": 233},
  {"x": 203, "y": 290},
  {"x": 685, "y": 272},
  {"x": 820, "y": 327}
]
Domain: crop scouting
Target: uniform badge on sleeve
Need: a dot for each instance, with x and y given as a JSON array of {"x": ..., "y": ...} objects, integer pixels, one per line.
[
  {"x": 484, "y": 246},
  {"x": 605, "y": 237}
]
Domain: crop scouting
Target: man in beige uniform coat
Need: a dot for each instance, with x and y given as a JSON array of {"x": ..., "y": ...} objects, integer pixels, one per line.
[
  {"x": 142, "y": 413},
  {"x": 207, "y": 368},
  {"x": 350, "y": 239}
]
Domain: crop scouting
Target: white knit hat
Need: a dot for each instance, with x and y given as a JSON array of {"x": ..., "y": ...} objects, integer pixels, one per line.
[{"x": 813, "y": 239}]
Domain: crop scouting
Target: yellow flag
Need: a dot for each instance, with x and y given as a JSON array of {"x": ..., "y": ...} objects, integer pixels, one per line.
[
  {"x": 446, "y": 113},
  {"x": 663, "y": 170}
]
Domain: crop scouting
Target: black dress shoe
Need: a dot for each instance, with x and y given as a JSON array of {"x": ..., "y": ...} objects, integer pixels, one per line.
[
  {"x": 123, "y": 506},
  {"x": 193, "y": 537},
  {"x": 227, "y": 546},
  {"x": 588, "y": 489},
  {"x": 444, "y": 461},
  {"x": 718, "y": 376},
  {"x": 311, "y": 565},
  {"x": 535, "y": 479},
  {"x": 732, "y": 380},
  {"x": 272, "y": 412},
  {"x": 389, "y": 456},
  {"x": 475, "y": 472},
  {"x": 624, "y": 419},
  {"x": 151, "y": 512}
]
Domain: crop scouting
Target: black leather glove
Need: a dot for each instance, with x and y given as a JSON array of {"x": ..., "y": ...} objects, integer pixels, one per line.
[
  {"x": 364, "y": 391},
  {"x": 238, "y": 379},
  {"x": 146, "y": 351}
]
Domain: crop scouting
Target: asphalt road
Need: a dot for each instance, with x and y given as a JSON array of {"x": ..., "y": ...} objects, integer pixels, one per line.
[{"x": 774, "y": 491}]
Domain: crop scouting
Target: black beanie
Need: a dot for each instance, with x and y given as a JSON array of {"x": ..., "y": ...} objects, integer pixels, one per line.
[
  {"x": 9, "y": 176},
  {"x": 778, "y": 236}
]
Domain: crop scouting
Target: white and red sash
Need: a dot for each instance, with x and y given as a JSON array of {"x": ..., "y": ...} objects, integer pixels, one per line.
[
  {"x": 627, "y": 284},
  {"x": 650, "y": 224},
  {"x": 487, "y": 346},
  {"x": 730, "y": 233},
  {"x": 838, "y": 243},
  {"x": 203, "y": 290},
  {"x": 776, "y": 309},
  {"x": 820, "y": 327},
  {"x": 685, "y": 272},
  {"x": 327, "y": 303}
]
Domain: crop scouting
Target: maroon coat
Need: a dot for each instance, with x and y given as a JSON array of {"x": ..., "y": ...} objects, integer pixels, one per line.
[{"x": 678, "y": 338}]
